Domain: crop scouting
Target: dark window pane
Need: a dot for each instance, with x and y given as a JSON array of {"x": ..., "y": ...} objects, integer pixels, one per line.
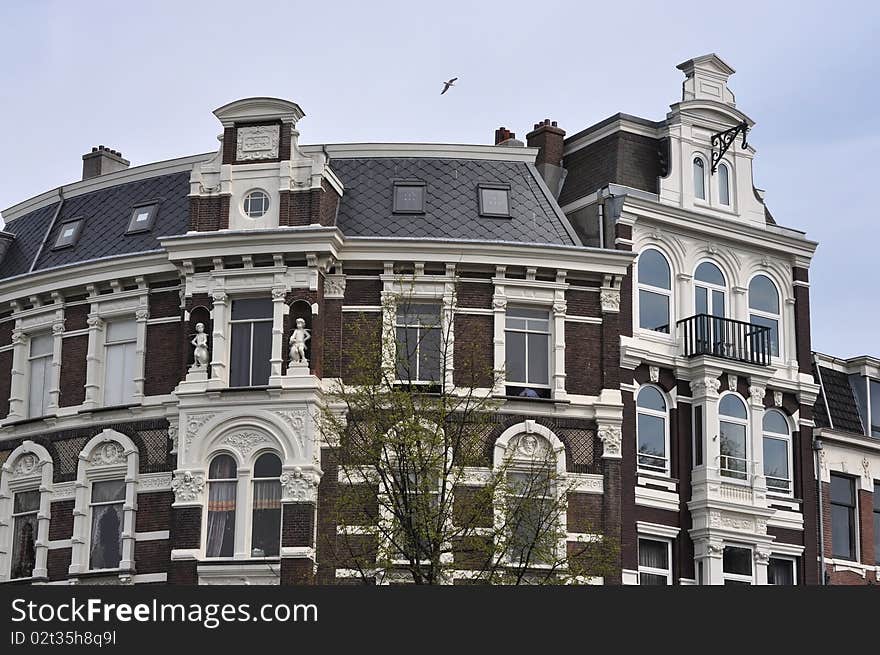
[
  {"x": 732, "y": 406},
  {"x": 876, "y": 526},
  {"x": 429, "y": 355},
  {"x": 108, "y": 491},
  {"x": 763, "y": 295},
  {"x": 24, "y": 552},
  {"x": 651, "y": 398},
  {"x": 780, "y": 572},
  {"x": 409, "y": 197},
  {"x": 701, "y": 300},
  {"x": 538, "y": 359},
  {"x": 737, "y": 560},
  {"x": 859, "y": 384},
  {"x": 654, "y": 554},
  {"x": 699, "y": 179},
  {"x": 842, "y": 490},
  {"x": 106, "y": 540},
  {"x": 407, "y": 349},
  {"x": 524, "y": 312},
  {"x": 723, "y": 185},
  {"x": 515, "y": 348},
  {"x": 26, "y": 501},
  {"x": 268, "y": 465},
  {"x": 774, "y": 331},
  {"x": 494, "y": 202},
  {"x": 842, "y": 542},
  {"x": 240, "y": 364},
  {"x": 652, "y": 580},
  {"x": 653, "y": 269},
  {"x": 653, "y": 311},
  {"x": 709, "y": 272},
  {"x": 223, "y": 467},
  {"x": 776, "y": 464},
  {"x": 220, "y": 540},
  {"x": 261, "y": 366},
  {"x": 875, "y": 408},
  {"x": 652, "y": 441},
  {"x": 266, "y": 527},
  {"x": 250, "y": 308},
  {"x": 718, "y": 304},
  {"x": 775, "y": 422}
]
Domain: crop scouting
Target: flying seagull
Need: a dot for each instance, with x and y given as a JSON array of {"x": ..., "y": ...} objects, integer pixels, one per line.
[{"x": 447, "y": 85}]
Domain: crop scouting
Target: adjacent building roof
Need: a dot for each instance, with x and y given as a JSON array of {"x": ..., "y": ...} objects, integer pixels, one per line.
[
  {"x": 106, "y": 213},
  {"x": 452, "y": 209},
  {"x": 836, "y": 405}
]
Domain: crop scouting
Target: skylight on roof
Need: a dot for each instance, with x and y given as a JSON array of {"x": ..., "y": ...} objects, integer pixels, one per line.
[
  {"x": 68, "y": 233},
  {"x": 409, "y": 197},
  {"x": 494, "y": 200},
  {"x": 142, "y": 218}
]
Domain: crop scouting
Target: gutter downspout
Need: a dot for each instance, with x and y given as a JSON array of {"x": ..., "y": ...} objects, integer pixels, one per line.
[
  {"x": 48, "y": 231},
  {"x": 817, "y": 448}
]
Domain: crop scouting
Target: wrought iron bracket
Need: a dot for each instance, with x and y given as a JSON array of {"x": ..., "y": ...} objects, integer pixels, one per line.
[{"x": 722, "y": 141}]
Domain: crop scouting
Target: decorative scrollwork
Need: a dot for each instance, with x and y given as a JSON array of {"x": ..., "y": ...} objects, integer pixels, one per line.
[{"x": 722, "y": 141}]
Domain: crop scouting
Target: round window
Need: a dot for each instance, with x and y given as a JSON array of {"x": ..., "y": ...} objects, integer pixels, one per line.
[{"x": 256, "y": 203}]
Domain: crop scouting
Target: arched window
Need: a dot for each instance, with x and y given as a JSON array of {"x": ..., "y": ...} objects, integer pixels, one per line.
[
  {"x": 710, "y": 289},
  {"x": 25, "y": 501},
  {"x": 266, "y": 526},
  {"x": 777, "y": 452},
  {"x": 733, "y": 431},
  {"x": 652, "y": 430},
  {"x": 655, "y": 291},
  {"x": 723, "y": 184},
  {"x": 764, "y": 308},
  {"x": 222, "y": 486},
  {"x": 699, "y": 178}
]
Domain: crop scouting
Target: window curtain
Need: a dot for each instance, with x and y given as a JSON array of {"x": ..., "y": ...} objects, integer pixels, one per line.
[
  {"x": 106, "y": 550},
  {"x": 652, "y": 554},
  {"x": 24, "y": 554},
  {"x": 221, "y": 519},
  {"x": 267, "y": 518}
]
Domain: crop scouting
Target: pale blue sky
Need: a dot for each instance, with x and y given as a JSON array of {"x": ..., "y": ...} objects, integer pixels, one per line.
[{"x": 144, "y": 79}]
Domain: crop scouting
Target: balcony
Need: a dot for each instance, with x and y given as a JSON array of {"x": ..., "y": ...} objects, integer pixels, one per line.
[{"x": 725, "y": 338}]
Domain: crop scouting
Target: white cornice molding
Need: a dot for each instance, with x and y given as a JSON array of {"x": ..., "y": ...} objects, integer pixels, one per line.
[
  {"x": 251, "y": 110},
  {"x": 193, "y": 245},
  {"x": 104, "y": 181},
  {"x": 427, "y": 150}
]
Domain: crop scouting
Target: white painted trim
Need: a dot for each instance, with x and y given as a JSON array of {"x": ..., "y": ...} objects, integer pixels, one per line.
[
  {"x": 149, "y": 577},
  {"x": 668, "y": 483},
  {"x": 60, "y": 543},
  {"x": 657, "y": 498},
  {"x": 583, "y": 319},
  {"x": 657, "y": 529},
  {"x": 428, "y": 150},
  {"x": 156, "y": 535}
]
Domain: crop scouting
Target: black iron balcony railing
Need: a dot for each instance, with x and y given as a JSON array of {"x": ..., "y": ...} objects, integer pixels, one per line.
[{"x": 725, "y": 338}]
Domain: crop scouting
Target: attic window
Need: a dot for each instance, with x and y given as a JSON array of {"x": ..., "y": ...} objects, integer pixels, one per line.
[
  {"x": 494, "y": 200},
  {"x": 142, "y": 218},
  {"x": 68, "y": 233},
  {"x": 409, "y": 197}
]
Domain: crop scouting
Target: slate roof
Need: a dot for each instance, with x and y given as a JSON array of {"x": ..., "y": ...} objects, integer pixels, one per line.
[
  {"x": 836, "y": 399},
  {"x": 107, "y": 213},
  {"x": 452, "y": 209}
]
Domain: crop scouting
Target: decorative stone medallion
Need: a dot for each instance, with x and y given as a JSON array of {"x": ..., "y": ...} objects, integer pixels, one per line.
[{"x": 257, "y": 142}]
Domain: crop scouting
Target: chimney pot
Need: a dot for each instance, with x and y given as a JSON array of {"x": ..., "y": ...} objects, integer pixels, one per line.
[{"x": 102, "y": 160}]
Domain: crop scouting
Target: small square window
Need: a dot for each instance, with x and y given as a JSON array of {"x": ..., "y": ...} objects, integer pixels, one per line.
[
  {"x": 409, "y": 198},
  {"x": 142, "y": 218},
  {"x": 68, "y": 233},
  {"x": 494, "y": 200}
]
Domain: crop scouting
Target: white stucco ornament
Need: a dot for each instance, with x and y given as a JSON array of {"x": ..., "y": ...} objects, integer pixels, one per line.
[
  {"x": 610, "y": 300},
  {"x": 108, "y": 453},
  {"x": 299, "y": 485},
  {"x": 298, "y": 339},
  {"x": 257, "y": 142},
  {"x": 201, "y": 356},
  {"x": 611, "y": 440},
  {"x": 187, "y": 486},
  {"x": 25, "y": 465}
]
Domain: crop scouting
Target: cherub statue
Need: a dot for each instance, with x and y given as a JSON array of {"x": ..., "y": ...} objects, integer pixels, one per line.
[
  {"x": 298, "y": 342},
  {"x": 200, "y": 344}
]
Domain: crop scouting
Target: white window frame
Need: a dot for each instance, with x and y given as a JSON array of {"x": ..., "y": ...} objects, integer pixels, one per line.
[
  {"x": 736, "y": 421},
  {"x": 109, "y": 455},
  {"x": 120, "y": 344},
  {"x": 28, "y": 468},
  {"x": 787, "y": 558},
  {"x": 786, "y": 438},
  {"x": 705, "y": 167},
  {"x": 667, "y": 573},
  {"x": 48, "y": 363},
  {"x": 668, "y": 293},
  {"x": 710, "y": 287},
  {"x": 246, "y": 201},
  {"x": 738, "y": 577},
  {"x": 550, "y": 341},
  {"x": 417, "y": 300},
  {"x": 657, "y": 414},
  {"x": 768, "y": 315}
]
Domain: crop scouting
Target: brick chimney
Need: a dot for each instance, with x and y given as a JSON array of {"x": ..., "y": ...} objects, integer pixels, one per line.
[
  {"x": 550, "y": 139},
  {"x": 504, "y": 137},
  {"x": 101, "y": 161}
]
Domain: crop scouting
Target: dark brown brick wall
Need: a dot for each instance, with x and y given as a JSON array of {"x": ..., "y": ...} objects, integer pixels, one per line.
[
  {"x": 475, "y": 294},
  {"x": 583, "y": 303},
  {"x": 628, "y": 536},
  {"x": 297, "y": 571},
  {"x": 183, "y": 572},
  {"x": 583, "y": 358},
  {"x": 73, "y": 370},
  {"x": 154, "y": 511},
  {"x": 363, "y": 292},
  {"x": 186, "y": 527},
  {"x": 297, "y": 524},
  {"x": 332, "y": 338},
  {"x": 784, "y": 536},
  {"x": 5, "y": 382},
  {"x": 802, "y": 320},
  {"x": 469, "y": 507},
  {"x": 329, "y": 205},
  {"x": 326, "y": 533},
  {"x": 152, "y": 556},
  {"x": 61, "y": 523},
  {"x": 164, "y": 304},
  {"x": 584, "y": 513},
  {"x": 866, "y": 526},
  {"x": 6, "y": 327},
  {"x": 361, "y": 342},
  {"x": 76, "y": 317},
  {"x": 162, "y": 361},
  {"x": 473, "y": 350},
  {"x": 208, "y": 213},
  {"x": 612, "y": 513},
  {"x": 58, "y": 563}
]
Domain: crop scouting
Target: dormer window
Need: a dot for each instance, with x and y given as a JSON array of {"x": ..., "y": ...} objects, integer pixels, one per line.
[
  {"x": 494, "y": 200},
  {"x": 699, "y": 178},
  {"x": 409, "y": 197},
  {"x": 142, "y": 218},
  {"x": 68, "y": 233}
]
